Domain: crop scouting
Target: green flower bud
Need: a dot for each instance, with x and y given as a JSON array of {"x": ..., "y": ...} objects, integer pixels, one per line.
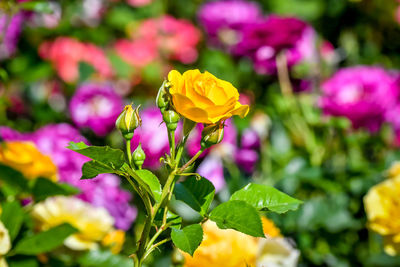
[
  {"x": 171, "y": 119},
  {"x": 138, "y": 156},
  {"x": 128, "y": 121},
  {"x": 212, "y": 135},
  {"x": 162, "y": 100}
]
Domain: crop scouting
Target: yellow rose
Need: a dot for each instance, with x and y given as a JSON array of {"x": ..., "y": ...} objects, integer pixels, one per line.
[
  {"x": 27, "y": 159},
  {"x": 93, "y": 223},
  {"x": 383, "y": 213},
  {"x": 203, "y": 98},
  {"x": 115, "y": 240},
  {"x": 228, "y": 247},
  {"x": 5, "y": 244},
  {"x": 394, "y": 170}
]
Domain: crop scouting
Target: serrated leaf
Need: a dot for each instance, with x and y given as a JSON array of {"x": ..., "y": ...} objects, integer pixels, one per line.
[
  {"x": 12, "y": 216},
  {"x": 45, "y": 241},
  {"x": 238, "y": 215},
  {"x": 44, "y": 188},
  {"x": 14, "y": 178},
  {"x": 187, "y": 239},
  {"x": 114, "y": 158},
  {"x": 93, "y": 168},
  {"x": 197, "y": 193},
  {"x": 152, "y": 181},
  {"x": 266, "y": 197}
]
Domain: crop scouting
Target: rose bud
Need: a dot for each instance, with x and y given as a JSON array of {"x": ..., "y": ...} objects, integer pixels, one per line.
[
  {"x": 162, "y": 99},
  {"x": 138, "y": 156},
  {"x": 171, "y": 119},
  {"x": 128, "y": 121},
  {"x": 212, "y": 135}
]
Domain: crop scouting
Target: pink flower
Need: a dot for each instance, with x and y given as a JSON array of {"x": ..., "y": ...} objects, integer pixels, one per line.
[
  {"x": 65, "y": 54},
  {"x": 138, "y": 53},
  {"x": 176, "y": 38},
  {"x": 139, "y": 3}
]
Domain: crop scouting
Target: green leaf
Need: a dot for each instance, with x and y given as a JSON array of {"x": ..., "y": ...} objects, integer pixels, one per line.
[
  {"x": 25, "y": 262},
  {"x": 13, "y": 178},
  {"x": 45, "y": 241},
  {"x": 238, "y": 215},
  {"x": 187, "y": 239},
  {"x": 44, "y": 188},
  {"x": 112, "y": 157},
  {"x": 197, "y": 193},
  {"x": 152, "y": 181},
  {"x": 37, "y": 6},
  {"x": 266, "y": 197},
  {"x": 122, "y": 68},
  {"x": 93, "y": 168},
  {"x": 12, "y": 216},
  {"x": 85, "y": 71},
  {"x": 99, "y": 258}
]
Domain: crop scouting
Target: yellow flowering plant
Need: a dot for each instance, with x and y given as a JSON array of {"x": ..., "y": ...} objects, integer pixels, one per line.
[{"x": 193, "y": 97}]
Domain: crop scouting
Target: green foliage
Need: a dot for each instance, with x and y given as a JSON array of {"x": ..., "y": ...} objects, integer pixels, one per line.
[
  {"x": 152, "y": 182},
  {"x": 44, "y": 188},
  {"x": 12, "y": 216},
  {"x": 13, "y": 178},
  {"x": 188, "y": 238},
  {"x": 238, "y": 215},
  {"x": 266, "y": 197},
  {"x": 93, "y": 168},
  {"x": 44, "y": 241},
  {"x": 196, "y": 193},
  {"x": 100, "y": 258},
  {"x": 112, "y": 157}
]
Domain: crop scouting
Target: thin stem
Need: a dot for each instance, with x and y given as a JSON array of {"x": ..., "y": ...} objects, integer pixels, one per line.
[
  {"x": 128, "y": 152},
  {"x": 171, "y": 139},
  {"x": 283, "y": 75},
  {"x": 155, "y": 246},
  {"x": 180, "y": 150},
  {"x": 190, "y": 161}
]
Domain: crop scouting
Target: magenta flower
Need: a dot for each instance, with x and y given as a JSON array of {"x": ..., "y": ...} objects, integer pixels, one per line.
[
  {"x": 264, "y": 40},
  {"x": 153, "y": 136},
  {"x": 212, "y": 169},
  {"x": 363, "y": 94},
  {"x": 224, "y": 20},
  {"x": 10, "y": 31},
  {"x": 95, "y": 106},
  {"x": 103, "y": 190}
]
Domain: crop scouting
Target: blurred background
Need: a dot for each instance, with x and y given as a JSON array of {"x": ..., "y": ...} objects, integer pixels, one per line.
[{"x": 321, "y": 77}]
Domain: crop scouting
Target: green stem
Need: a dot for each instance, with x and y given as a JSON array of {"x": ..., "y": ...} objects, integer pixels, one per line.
[
  {"x": 128, "y": 152},
  {"x": 171, "y": 139},
  {"x": 182, "y": 169}
]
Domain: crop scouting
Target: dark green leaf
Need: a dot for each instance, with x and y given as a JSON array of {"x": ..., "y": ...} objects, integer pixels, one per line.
[
  {"x": 152, "y": 181},
  {"x": 13, "y": 178},
  {"x": 12, "y": 216},
  {"x": 99, "y": 258},
  {"x": 44, "y": 188},
  {"x": 238, "y": 215},
  {"x": 188, "y": 239},
  {"x": 104, "y": 154},
  {"x": 93, "y": 168},
  {"x": 26, "y": 262},
  {"x": 45, "y": 241},
  {"x": 85, "y": 71},
  {"x": 266, "y": 197},
  {"x": 197, "y": 193}
]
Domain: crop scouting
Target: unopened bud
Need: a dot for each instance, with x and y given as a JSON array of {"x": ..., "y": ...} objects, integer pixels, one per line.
[
  {"x": 128, "y": 121},
  {"x": 162, "y": 100},
  {"x": 171, "y": 119},
  {"x": 138, "y": 156},
  {"x": 212, "y": 135}
]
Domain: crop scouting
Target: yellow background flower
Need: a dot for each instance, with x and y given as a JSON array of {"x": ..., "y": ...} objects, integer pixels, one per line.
[
  {"x": 93, "y": 223},
  {"x": 203, "y": 98},
  {"x": 383, "y": 212},
  {"x": 5, "y": 244},
  {"x": 228, "y": 247},
  {"x": 27, "y": 159},
  {"x": 115, "y": 240}
]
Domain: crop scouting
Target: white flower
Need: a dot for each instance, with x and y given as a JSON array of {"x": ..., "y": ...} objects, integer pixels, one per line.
[{"x": 276, "y": 252}]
